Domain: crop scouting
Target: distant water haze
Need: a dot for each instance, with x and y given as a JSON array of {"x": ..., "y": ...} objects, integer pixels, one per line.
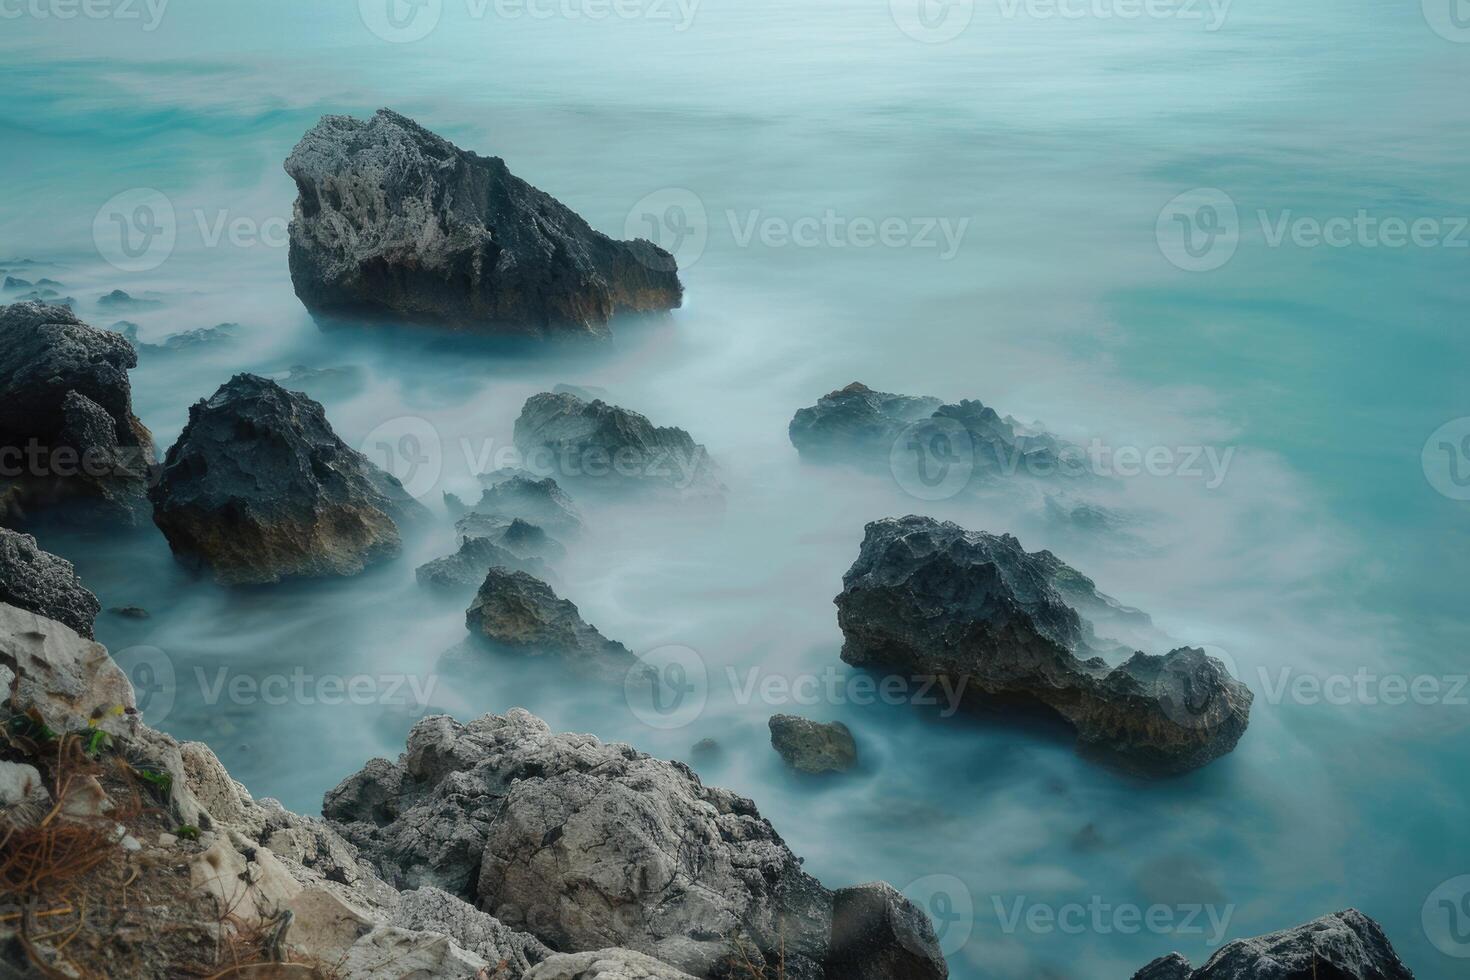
[{"x": 766, "y": 140}]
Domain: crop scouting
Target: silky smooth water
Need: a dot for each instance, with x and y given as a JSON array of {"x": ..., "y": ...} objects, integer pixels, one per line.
[{"x": 1055, "y": 142}]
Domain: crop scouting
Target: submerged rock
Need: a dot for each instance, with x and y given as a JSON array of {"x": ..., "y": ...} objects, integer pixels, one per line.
[
  {"x": 13, "y": 283},
  {"x": 392, "y": 221},
  {"x": 995, "y": 621},
  {"x": 118, "y": 299},
  {"x": 517, "y": 611},
  {"x": 606, "y": 448},
  {"x": 185, "y": 342},
  {"x": 536, "y": 501},
  {"x": 856, "y": 420},
  {"x": 589, "y": 845},
  {"x": 1343, "y": 946},
  {"x": 68, "y": 434},
  {"x": 879, "y": 429},
  {"x": 812, "y": 747},
  {"x": 44, "y": 584},
  {"x": 878, "y": 934},
  {"x": 259, "y": 488},
  {"x": 520, "y": 537},
  {"x": 465, "y": 570}
]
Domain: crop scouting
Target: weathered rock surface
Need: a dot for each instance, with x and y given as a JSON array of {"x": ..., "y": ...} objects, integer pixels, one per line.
[
  {"x": 856, "y": 421},
  {"x": 521, "y": 538},
  {"x": 602, "y": 447},
  {"x": 67, "y": 429},
  {"x": 392, "y": 221},
  {"x": 878, "y": 934},
  {"x": 59, "y": 677},
  {"x": 516, "y": 611},
  {"x": 536, "y": 501},
  {"x": 44, "y": 584},
  {"x": 859, "y": 425},
  {"x": 812, "y": 747},
  {"x": 185, "y": 342},
  {"x": 259, "y": 488},
  {"x": 605, "y": 964},
  {"x": 933, "y": 599},
  {"x": 1343, "y": 946},
  {"x": 587, "y": 845},
  {"x": 465, "y": 570}
]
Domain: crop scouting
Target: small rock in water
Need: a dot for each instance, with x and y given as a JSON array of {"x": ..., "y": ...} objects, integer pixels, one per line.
[
  {"x": 539, "y": 502},
  {"x": 118, "y": 299},
  {"x": 465, "y": 570},
  {"x": 130, "y": 612},
  {"x": 13, "y": 283},
  {"x": 812, "y": 747},
  {"x": 392, "y": 221},
  {"x": 520, "y": 612}
]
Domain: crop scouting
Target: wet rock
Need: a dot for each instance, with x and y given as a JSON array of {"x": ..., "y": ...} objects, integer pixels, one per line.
[
  {"x": 856, "y": 421},
  {"x": 130, "y": 612},
  {"x": 878, "y": 934},
  {"x": 259, "y": 488},
  {"x": 812, "y": 747},
  {"x": 15, "y": 283},
  {"x": 44, "y": 584},
  {"x": 587, "y": 845},
  {"x": 994, "y": 621},
  {"x": 519, "y": 612},
  {"x": 120, "y": 300},
  {"x": 521, "y": 538},
  {"x": 67, "y": 429},
  {"x": 605, "y": 448},
  {"x": 60, "y": 677},
  {"x": 187, "y": 341},
  {"x": 536, "y": 501},
  {"x": 393, "y": 221},
  {"x": 337, "y": 382},
  {"x": 605, "y": 964},
  {"x": 1343, "y": 946},
  {"x": 705, "y": 750},
  {"x": 465, "y": 570}
]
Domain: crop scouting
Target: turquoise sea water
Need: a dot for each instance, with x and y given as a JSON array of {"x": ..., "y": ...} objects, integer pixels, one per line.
[{"x": 1324, "y": 551}]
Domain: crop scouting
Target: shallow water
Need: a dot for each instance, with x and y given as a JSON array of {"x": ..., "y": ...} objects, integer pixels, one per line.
[{"x": 1325, "y": 550}]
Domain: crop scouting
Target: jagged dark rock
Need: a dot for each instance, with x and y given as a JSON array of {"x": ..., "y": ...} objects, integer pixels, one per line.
[
  {"x": 465, "y": 570},
  {"x": 185, "y": 342},
  {"x": 67, "y": 429},
  {"x": 119, "y": 299},
  {"x": 536, "y": 501},
  {"x": 587, "y": 845},
  {"x": 44, "y": 584},
  {"x": 259, "y": 488},
  {"x": 602, "y": 447},
  {"x": 14, "y": 282},
  {"x": 1344, "y": 946},
  {"x": 812, "y": 747},
  {"x": 996, "y": 622},
  {"x": 878, "y": 934},
  {"x": 516, "y": 611},
  {"x": 520, "y": 537},
  {"x": 856, "y": 420},
  {"x": 392, "y": 221}
]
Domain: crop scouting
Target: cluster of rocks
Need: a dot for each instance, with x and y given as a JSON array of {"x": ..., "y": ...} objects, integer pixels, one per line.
[
  {"x": 1344, "y": 946},
  {"x": 68, "y": 434},
  {"x": 259, "y": 488},
  {"x": 610, "y": 450},
  {"x": 998, "y": 623},
  {"x": 184, "y": 342},
  {"x": 392, "y": 221},
  {"x": 876, "y": 428}
]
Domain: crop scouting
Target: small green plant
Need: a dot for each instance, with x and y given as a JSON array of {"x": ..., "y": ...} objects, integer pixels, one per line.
[
  {"x": 186, "y": 831},
  {"x": 159, "y": 779},
  {"x": 96, "y": 741}
]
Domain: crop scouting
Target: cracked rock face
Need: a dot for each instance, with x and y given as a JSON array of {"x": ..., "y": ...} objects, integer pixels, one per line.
[
  {"x": 997, "y": 622},
  {"x": 607, "y": 449},
  {"x": 259, "y": 488},
  {"x": 587, "y": 845},
  {"x": 1344, "y": 946},
  {"x": 67, "y": 428},
  {"x": 392, "y": 221},
  {"x": 44, "y": 584}
]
